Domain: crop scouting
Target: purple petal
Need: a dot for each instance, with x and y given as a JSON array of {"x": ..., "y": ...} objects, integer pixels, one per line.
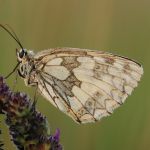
[{"x": 57, "y": 134}]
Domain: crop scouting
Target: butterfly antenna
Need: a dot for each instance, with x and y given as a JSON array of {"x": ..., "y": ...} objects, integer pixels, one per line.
[
  {"x": 11, "y": 32},
  {"x": 15, "y": 35}
]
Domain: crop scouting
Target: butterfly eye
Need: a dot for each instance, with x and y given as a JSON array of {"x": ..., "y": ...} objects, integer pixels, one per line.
[{"x": 22, "y": 53}]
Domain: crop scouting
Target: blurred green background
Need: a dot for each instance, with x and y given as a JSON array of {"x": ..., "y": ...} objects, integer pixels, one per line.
[{"x": 120, "y": 27}]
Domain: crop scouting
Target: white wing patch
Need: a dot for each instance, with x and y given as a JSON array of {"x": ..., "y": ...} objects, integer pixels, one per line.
[
  {"x": 85, "y": 84},
  {"x": 59, "y": 72},
  {"x": 54, "y": 62}
]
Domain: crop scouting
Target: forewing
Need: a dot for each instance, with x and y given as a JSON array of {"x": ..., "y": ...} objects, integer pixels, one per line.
[{"x": 85, "y": 84}]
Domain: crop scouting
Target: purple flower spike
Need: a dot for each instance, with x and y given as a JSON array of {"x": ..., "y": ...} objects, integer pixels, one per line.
[{"x": 28, "y": 128}]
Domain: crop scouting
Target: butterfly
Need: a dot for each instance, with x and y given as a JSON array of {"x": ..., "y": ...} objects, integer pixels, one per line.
[{"x": 87, "y": 85}]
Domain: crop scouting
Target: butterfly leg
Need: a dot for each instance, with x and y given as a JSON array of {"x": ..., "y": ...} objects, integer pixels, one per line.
[
  {"x": 35, "y": 94},
  {"x": 15, "y": 81}
]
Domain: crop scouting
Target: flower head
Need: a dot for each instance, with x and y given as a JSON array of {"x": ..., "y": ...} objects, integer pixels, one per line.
[{"x": 28, "y": 127}]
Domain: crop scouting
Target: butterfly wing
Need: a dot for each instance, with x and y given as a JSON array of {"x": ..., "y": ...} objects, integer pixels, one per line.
[{"x": 86, "y": 84}]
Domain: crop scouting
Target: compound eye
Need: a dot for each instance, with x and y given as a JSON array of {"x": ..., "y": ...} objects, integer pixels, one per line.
[{"x": 21, "y": 53}]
